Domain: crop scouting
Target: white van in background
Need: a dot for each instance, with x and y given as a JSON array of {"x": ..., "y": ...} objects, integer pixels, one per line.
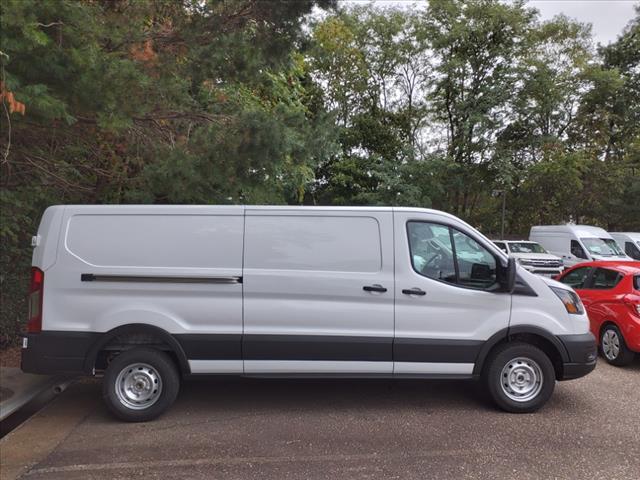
[
  {"x": 532, "y": 256},
  {"x": 146, "y": 295},
  {"x": 629, "y": 242},
  {"x": 577, "y": 243}
]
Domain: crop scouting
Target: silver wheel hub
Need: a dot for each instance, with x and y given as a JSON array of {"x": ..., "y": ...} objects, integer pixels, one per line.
[
  {"x": 521, "y": 379},
  {"x": 610, "y": 344},
  {"x": 138, "y": 386}
]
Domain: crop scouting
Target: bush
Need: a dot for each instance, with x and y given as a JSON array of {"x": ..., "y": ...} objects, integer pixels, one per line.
[{"x": 13, "y": 305}]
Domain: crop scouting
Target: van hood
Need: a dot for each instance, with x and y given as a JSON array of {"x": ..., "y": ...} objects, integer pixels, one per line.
[
  {"x": 535, "y": 256},
  {"x": 540, "y": 283},
  {"x": 554, "y": 283},
  {"x": 605, "y": 258}
]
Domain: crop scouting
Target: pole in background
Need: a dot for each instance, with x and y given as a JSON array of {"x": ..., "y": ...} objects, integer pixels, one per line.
[
  {"x": 503, "y": 194},
  {"x": 504, "y": 206}
]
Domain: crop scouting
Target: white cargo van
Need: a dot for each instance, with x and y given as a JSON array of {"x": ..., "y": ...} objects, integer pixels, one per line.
[
  {"x": 629, "y": 242},
  {"x": 146, "y": 295},
  {"x": 577, "y": 243}
]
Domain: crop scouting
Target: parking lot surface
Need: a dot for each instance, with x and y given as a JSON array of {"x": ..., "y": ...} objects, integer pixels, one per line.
[{"x": 277, "y": 429}]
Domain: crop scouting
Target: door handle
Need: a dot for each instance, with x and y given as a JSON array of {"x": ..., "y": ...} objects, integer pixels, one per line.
[
  {"x": 414, "y": 291},
  {"x": 374, "y": 288}
]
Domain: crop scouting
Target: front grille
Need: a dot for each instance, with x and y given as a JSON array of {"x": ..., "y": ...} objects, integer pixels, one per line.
[{"x": 545, "y": 263}]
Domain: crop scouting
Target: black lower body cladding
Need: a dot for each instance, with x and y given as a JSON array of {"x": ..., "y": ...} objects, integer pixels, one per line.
[
  {"x": 49, "y": 353},
  {"x": 59, "y": 352},
  {"x": 583, "y": 353}
]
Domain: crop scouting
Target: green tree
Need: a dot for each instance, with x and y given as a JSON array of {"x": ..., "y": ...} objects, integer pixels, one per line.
[
  {"x": 203, "y": 101},
  {"x": 478, "y": 46}
]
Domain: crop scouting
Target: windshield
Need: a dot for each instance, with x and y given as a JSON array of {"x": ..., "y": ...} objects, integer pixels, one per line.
[
  {"x": 606, "y": 247},
  {"x": 526, "y": 247}
]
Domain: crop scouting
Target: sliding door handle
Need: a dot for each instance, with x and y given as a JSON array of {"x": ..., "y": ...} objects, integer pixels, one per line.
[
  {"x": 374, "y": 288},
  {"x": 414, "y": 291}
]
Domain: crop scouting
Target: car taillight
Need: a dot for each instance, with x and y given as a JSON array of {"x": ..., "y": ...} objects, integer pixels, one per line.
[
  {"x": 634, "y": 303},
  {"x": 36, "y": 288}
]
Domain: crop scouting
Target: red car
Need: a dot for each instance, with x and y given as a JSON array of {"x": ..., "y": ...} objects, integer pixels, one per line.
[{"x": 610, "y": 292}]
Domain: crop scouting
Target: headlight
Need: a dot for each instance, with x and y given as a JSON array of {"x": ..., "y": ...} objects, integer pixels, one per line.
[
  {"x": 570, "y": 300},
  {"x": 522, "y": 261}
]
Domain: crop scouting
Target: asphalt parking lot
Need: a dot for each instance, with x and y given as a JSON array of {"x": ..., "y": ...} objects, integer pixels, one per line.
[{"x": 276, "y": 429}]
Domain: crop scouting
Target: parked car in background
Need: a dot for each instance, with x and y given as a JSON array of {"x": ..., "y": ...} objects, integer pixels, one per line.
[
  {"x": 577, "y": 243},
  {"x": 629, "y": 242},
  {"x": 532, "y": 256},
  {"x": 610, "y": 292}
]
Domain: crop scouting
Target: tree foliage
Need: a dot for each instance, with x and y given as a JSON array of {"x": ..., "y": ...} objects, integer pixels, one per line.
[
  {"x": 500, "y": 101},
  {"x": 311, "y": 102}
]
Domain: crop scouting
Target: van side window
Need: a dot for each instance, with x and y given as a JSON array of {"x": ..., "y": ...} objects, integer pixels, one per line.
[
  {"x": 502, "y": 246},
  {"x": 476, "y": 266},
  {"x": 631, "y": 250},
  {"x": 605, "y": 279},
  {"x": 431, "y": 251},
  {"x": 577, "y": 250},
  {"x": 577, "y": 277},
  {"x": 446, "y": 254}
]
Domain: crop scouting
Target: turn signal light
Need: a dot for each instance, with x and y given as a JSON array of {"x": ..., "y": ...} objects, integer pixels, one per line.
[{"x": 570, "y": 300}]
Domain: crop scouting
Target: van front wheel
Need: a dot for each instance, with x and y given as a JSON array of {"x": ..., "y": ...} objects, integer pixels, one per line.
[
  {"x": 519, "y": 377},
  {"x": 140, "y": 384}
]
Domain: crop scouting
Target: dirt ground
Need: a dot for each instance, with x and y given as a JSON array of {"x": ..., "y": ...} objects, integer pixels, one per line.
[
  {"x": 283, "y": 429},
  {"x": 10, "y": 357}
]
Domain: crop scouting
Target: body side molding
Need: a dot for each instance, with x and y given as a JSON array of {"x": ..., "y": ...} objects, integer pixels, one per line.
[{"x": 91, "y": 277}]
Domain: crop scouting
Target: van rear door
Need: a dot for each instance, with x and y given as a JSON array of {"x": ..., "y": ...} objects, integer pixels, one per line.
[{"x": 318, "y": 291}]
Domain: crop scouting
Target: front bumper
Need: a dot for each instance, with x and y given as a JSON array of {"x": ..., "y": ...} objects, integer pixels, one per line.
[{"x": 582, "y": 353}]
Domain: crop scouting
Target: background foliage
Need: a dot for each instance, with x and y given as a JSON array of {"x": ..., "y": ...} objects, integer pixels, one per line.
[{"x": 309, "y": 102}]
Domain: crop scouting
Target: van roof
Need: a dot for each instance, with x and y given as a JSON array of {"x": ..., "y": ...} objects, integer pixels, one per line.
[
  {"x": 239, "y": 208},
  {"x": 632, "y": 235},
  {"x": 252, "y": 207},
  {"x": 577, "y": 230}
]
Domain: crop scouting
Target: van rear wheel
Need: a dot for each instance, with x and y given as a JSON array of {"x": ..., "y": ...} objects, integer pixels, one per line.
[
  {"x": 140, "y": 384},
  {"x": 519, "y": 377}
]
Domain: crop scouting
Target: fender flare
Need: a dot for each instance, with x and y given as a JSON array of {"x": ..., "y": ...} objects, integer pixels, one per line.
[
  {"x": 132, "y": 328},
  {"x": 506, "y": 333}
]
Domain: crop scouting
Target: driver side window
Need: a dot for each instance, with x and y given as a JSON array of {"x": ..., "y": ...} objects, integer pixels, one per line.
[
  {"x": 431, "y": 251},
  {"x": 631, "y": 250},
  {"x": 446, "y": 254},
  {"x": 577, "y": 251}
]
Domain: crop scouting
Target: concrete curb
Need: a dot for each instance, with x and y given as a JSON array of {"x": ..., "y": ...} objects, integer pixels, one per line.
[{"x": 18, "y": 388}]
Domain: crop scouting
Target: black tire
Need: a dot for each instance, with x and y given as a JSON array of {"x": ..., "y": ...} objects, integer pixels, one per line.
[
  {"x": 623, "y": 356},
  {"x": 529, "y": 366},
  {"x": 144, "y": 369}
]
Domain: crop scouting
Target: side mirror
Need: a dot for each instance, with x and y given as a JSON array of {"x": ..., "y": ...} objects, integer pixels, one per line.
[{"x": 509, "y": 276}]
